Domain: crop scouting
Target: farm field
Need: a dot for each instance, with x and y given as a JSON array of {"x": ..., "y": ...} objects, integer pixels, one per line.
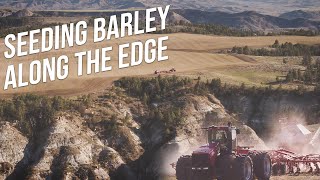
[{"x": 191, "y": 55}]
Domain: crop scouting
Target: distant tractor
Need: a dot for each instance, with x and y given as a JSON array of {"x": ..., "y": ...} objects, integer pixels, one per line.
[
  {"x": 223, "y": 159},
  {"x": 172, "y": 70}
]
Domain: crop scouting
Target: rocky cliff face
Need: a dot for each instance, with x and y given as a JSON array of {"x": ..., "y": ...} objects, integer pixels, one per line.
[
  {"x": 69, "y": 147},
  {"x": 13, "y": 147},
  {"x": 201, "y": 111},
  {"x": 87, "y": 146},
  {"x": 12, "y": 144}
]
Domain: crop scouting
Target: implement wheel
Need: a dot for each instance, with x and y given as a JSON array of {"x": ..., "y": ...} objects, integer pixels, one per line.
[{"x": 283, "y": 169}]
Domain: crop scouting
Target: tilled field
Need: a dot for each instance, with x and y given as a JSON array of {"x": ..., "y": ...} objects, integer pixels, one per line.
[{"x": 189, "y": 54}]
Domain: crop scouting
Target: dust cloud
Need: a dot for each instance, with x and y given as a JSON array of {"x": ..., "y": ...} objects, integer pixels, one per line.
[
  {"x": 289, "y": 131},
  {"x": 171, "y": 152}
]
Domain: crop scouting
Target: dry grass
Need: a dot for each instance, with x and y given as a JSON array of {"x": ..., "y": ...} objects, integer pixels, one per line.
[{"x": 190, "y": 54}]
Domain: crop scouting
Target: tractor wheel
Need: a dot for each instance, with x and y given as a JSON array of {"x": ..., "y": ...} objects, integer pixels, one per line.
[
  {"x": 283, "y": 169},
  {"x": 262, "y": 166},
  {"x": 183, "y": 168},
  {"x": 225, "y": 166},
  {"x": 243, "y": 168}
]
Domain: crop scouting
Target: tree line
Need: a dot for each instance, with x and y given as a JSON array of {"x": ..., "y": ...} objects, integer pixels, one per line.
[
  {"x": 159, "y": 89},
  {"x": 155, "y": 92},
  {"x": 218, "y": 29},
  {"x": 207, "y": 29},
  {"x": 169, "y": 89},
  {"x": 33, "y": 113},
  {"x": 277, "y": 49},
  {"x": 153, "y": 89},
  {"x": 295, "y": 32},
  {"x": 310, "y": 75}
]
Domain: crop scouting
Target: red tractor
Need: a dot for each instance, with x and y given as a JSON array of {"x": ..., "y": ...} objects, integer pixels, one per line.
[{"x": 221, "y": 158}]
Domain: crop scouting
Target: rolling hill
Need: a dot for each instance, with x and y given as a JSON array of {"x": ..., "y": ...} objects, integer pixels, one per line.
[
  {"x": 311, "y": 15},
  {"x": 262, "y": 6},
  {"x": 246, "y": 20}
]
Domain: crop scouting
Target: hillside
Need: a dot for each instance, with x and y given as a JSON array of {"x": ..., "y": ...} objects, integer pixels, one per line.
[
  {"x": 266, "y": 7},
  {"x": 22, "y": 13},
  {"x": 246, "y": 20},
  {"x": 311, "y": 15},
  {"x": 70, "y": 4}
]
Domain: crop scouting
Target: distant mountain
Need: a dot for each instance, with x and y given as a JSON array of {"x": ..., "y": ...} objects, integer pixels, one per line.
[
  {"x": 274, "y": 7},
  {"x": 311, "y": 15},
  {"x": 246, "y": 20},
  {"x": 232, "y": 13},
  {"x": 271, "y": 7},
  {"x": 71, "y": 4}
]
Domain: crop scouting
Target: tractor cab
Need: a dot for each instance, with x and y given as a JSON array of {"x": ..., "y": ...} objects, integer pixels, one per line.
[{"x": 224, "y": 136}]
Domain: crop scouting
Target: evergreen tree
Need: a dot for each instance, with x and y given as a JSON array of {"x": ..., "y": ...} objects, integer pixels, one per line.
[
  {"x": 306, "y": 61},
  {"x": 276, "y": 44}
]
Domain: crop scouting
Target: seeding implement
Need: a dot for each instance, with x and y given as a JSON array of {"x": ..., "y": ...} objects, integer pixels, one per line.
[
  {"x": 223, "y": 159},
  {"x": 287, "y": 162}
]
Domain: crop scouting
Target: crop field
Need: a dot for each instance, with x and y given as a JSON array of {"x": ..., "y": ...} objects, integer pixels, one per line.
[{"x": 191, "y": 55}]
